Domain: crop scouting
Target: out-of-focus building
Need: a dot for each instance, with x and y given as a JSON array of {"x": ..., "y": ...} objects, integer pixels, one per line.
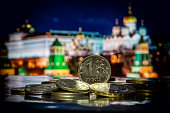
[
  {"x": 5, "y": 64},
  {"x": 29, "y": 50},
  {"x": 142, "y": 67},
  {"x": 78, "y": 43},
  {"x": 57, "y": 66},
  {"x": 125, "y": 37}
]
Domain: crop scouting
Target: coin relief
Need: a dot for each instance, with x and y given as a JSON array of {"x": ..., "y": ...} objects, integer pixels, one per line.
[{"x": 94, "y": 69}]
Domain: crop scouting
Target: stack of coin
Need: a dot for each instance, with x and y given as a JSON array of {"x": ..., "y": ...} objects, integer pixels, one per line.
[
  {"x": 40, "y": 88},
  {"x": 143, "y": 85},
  {"x": 94, "y": 73},
  {"x": 111, "y": 90},
  {"x": 19, "y": 90}
]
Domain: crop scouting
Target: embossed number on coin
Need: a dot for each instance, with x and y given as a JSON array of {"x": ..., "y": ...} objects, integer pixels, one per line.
[{"x": 94, "y": 69}]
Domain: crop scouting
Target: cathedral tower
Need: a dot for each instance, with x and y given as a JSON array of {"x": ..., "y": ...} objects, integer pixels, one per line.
[{"x": 130, "y": 21}]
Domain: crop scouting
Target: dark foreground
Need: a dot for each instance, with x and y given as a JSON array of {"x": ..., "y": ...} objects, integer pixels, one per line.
[{"x": 157, "y": 100}]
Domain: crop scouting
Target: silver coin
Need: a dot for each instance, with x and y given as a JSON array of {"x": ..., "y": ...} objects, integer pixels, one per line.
[{"x": 94, "y": 69}]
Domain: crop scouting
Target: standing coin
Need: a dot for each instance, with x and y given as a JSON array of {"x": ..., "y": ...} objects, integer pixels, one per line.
[{"x": 94, "y": 69}]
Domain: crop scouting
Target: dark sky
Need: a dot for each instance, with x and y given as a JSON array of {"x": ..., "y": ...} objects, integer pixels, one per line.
[{"x": 91, "y": 15}]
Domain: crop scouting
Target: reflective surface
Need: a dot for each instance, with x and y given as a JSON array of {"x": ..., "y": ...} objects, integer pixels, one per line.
[{"x": 153, "y": 100}]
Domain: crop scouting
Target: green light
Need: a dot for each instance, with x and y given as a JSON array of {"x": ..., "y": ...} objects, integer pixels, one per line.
[{"x": 133, "y": 75}]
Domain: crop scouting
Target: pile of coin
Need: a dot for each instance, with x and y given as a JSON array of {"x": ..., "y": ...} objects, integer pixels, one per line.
[{"x": 94, "y": 73}]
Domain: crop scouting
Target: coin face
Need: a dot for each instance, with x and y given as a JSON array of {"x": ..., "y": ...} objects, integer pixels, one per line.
[
  {"x": 94, "y": 69},
  {"x": 40, "y": 88},
  {"x": 72, "y": 85},
  {"x": 111, "y": 90}
]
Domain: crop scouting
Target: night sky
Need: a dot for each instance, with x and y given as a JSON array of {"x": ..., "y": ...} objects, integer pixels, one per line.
[{"x": 91, "y": 15}]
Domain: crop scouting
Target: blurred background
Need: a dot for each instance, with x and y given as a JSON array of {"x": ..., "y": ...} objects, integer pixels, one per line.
[{"x": 51, "y": 37}]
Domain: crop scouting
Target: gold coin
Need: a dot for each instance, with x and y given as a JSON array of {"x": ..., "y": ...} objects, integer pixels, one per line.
[
  {"x": 19, "y": 90},
  {"x": 72, "y": 85},
  {"x": 111, "y": 90},
  {"x": 94, "y": 69},
  {"x": 40, "y": 88},
  {"x": 68, "y": 94}
]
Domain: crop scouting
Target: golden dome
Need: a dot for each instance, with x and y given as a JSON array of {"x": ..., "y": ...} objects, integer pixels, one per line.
[{"x": 129, "y": 17}]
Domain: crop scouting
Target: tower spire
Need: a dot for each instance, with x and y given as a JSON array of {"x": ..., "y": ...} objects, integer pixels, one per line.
[
  {"x": 26, "y": 21},
  {"x": 116, "y": 22},
  {"x": 142, "y": 22},
  {"x": 129, "y": 9},
  {"x": 80, "y": 30}
]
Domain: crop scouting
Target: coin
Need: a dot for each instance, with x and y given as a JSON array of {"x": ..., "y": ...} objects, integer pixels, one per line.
[
  {"x": 72, "y": 85},
  {"x": 68, "y": 94},
  {"x": 40, "y": 88},
  {"x": 94, "y": 69},
  {"x": 48, "y": 82},
  {"x": 111, "y": 90},
  {"x": 19, "y": 90}
]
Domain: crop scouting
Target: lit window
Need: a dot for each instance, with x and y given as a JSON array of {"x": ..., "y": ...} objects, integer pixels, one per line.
[
  {"x": 137, "y": 62},
  {"x": 57, "y": 63}
]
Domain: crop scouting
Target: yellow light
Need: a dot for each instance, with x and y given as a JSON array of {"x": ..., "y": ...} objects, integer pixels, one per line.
[
  {"x": 113, "y": 59},
  {"x": 80, "y": 58},
  {"x": 23, "y": 26},
  {"x": 150, "y": 75},
  {"x": 28, "y": 26},
  {"x": 48, "y": 33},
  {"x": 63, "y": 63},
  {"x": 145, "y": 62}
]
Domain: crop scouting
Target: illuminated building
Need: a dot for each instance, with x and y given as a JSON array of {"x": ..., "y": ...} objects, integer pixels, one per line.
[
  {"x": 125, "y": 37},
  {"x": 142, "y": 65},
  {"x": 57, "y": 65},
  {"x": 28, "y": 50},
  {"x": 5, "y": 64},
  {"x": 78, "y": 43}
]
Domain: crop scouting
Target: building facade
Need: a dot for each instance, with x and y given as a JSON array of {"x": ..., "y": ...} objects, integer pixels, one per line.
[
  {"x": 126, "y": 36},
  {"x": 78, "y": 43}
]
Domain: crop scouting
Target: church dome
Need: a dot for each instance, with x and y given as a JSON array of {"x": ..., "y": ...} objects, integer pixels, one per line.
[
  {"x": 27, "y": 28},
  {"x": 129, "y": 18}
]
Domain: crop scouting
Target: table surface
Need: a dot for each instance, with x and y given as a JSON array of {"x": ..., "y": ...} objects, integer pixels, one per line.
[{"x": 156, "y": 101}]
